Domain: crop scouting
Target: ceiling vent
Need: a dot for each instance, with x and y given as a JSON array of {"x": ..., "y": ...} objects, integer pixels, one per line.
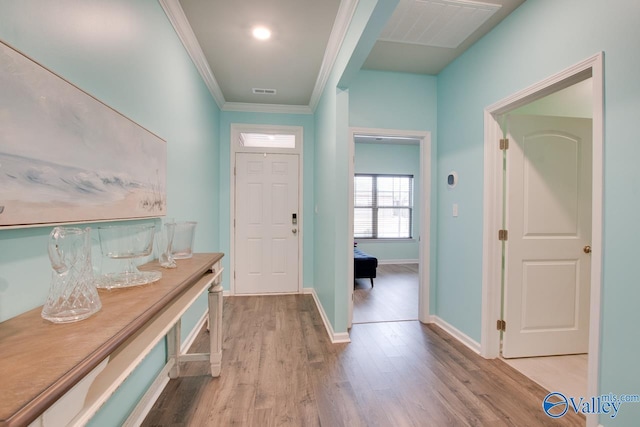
[
  {"x": 260, "y": 91},
  {"x": 438, "y": 23}
]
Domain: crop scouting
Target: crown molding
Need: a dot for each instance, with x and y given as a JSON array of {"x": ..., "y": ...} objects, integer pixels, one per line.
[
  {"x": 267, "y": 108},
  {"x": 178, "y": 19},
  {"x": 338, "y": 33},
  {"x": 181, "y": 25}
]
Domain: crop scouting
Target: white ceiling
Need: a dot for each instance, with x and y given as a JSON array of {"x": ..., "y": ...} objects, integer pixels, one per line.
[
  {"x": 431, "y": 59},
  {"x": 437, "y": 23},
  {"x": 306, "y": 36}
]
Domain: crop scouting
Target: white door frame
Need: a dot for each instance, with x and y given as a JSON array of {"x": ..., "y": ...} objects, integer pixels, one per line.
[
  {"x": 425, "y": 216},
  {"x": 493, "y": 201},
  {"x": 237, "y": 147}
]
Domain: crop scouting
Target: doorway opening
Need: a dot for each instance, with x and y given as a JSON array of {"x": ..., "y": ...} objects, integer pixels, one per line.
[
  {"x": 546, "y": 278},
  {"x": 498, "y": 280},
  {"x": 392, "y": 224}
]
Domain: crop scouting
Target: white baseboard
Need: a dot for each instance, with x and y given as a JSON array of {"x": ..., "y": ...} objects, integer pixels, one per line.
[
  {"x": 152, "y": 394},
  {"x": 147, "y": 401},
  {"x": 457, "y": 334},
  {"x": 335, "y": 338},
  {"x": 397, "y": 261}
]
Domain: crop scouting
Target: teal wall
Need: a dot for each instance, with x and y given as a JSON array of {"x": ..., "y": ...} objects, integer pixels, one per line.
[
  {"x": 324, "y": 217},
  {"x": 573, "y": 101},
  {"x": 401, "y": 101},
  {"x": 331, "y": 162},
  {"x": 227, "y": 118},
  {"x": 539, "y": 39},
  {"x": 381, "y": 99},
  {"x": 401, "y": 159},
  {"x": 126, "y": 54}
]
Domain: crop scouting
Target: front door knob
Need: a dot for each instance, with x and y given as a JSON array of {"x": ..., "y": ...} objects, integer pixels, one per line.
[
  {"x": 294, "y": 230},
  {"x": 587, "y": 249}
]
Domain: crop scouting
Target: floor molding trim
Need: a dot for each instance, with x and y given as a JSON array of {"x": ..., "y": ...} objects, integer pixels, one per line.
[
  {"x": 457, "y": 334},
  {"x": 336, "y": 338},
  {"x": 147, "y": 401},
  {"x": 152, "y": 394}
]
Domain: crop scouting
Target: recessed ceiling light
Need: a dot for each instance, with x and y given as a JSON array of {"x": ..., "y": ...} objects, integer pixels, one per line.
[{"x": 261, "y": 33}]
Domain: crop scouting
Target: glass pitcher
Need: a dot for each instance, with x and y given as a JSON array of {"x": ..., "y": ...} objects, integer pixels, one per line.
[{"x": 72, "y": 295}]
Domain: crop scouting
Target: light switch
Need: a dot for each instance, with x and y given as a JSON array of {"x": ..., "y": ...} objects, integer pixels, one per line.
[{"x": 455, "y": 209}]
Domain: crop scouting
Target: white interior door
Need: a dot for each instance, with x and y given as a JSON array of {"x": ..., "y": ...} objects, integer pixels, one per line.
[
  {"x": 266, "y": 218},
  {"x": 548, "y": 218}
]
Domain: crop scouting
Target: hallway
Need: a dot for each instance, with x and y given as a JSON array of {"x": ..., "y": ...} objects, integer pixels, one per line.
[{"x": 279, "y": 368}]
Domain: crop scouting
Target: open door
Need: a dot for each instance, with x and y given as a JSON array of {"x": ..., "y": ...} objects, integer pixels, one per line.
[{"x": 547, "y": 252}]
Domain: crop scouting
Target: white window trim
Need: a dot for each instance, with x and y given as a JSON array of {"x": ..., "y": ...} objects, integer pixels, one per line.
[{"x": 411, "y": 207}]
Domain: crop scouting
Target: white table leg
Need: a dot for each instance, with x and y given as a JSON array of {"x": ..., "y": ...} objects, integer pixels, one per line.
[{"x": 215, "y": 329}]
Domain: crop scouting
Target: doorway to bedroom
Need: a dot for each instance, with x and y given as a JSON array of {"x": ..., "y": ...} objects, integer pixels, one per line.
[
  {"x": 563, "y": 112},
  {"x": 390, "y": 197}
]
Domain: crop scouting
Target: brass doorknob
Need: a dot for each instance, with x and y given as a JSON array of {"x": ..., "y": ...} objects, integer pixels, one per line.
[{"x": 587, "y": 249}]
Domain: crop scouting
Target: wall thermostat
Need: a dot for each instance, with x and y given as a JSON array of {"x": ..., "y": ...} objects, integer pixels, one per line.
[{"x": 452, "y": 179}]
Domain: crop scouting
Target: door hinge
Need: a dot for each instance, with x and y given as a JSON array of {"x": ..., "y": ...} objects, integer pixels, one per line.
[
  {"x": 501, "y": 325},
  {"x": 504, "y": 143},
  {"x": 503, "y": 235}
]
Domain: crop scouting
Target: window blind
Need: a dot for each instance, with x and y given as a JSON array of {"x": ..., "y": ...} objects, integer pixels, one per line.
[{"x": 383, "y": 206}]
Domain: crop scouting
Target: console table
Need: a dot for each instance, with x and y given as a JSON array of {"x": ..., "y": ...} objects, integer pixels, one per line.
[{"x": 60, "y": 374}]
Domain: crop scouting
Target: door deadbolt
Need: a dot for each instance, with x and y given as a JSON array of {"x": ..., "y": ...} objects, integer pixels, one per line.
[{"x": 294, "y": 230}]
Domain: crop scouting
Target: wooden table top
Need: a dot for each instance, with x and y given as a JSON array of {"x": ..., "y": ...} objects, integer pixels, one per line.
[{"x": 40, "y": 360}]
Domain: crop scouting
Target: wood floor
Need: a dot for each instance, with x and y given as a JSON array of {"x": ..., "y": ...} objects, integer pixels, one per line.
[
  {"x": 394, "y": 296},
  {"x": 279, "y": 368}
]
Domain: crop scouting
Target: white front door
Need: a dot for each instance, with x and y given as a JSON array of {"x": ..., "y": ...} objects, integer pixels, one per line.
[
  {"x": 266, "y": 223},
  {"x": 548, "y": 218}
]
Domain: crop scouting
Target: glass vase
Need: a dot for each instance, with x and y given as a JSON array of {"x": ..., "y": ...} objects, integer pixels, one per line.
[{"x": 72, "y": 295}]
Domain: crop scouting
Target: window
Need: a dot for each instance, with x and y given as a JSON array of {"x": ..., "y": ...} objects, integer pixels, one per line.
[
  {"x": 383, "y": 206},
  {"x": 267, "y": 140}
]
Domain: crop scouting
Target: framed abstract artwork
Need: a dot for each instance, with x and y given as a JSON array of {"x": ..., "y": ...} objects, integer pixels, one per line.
[{"x": 67, "y": 157}]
